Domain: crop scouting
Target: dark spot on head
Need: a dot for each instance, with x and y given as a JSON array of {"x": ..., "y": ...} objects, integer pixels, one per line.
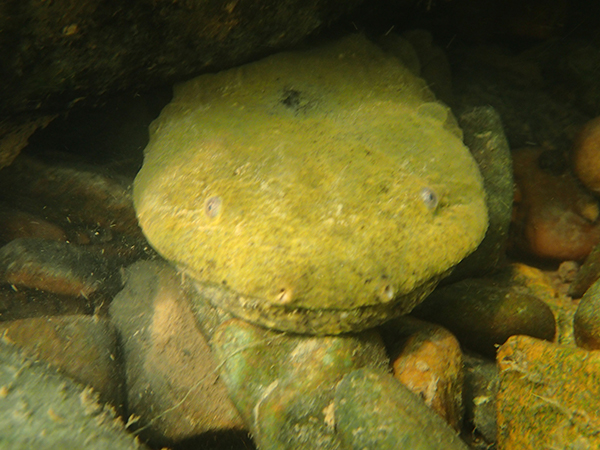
[
  {"x": 383, "y": 188},
  {"x": 291, "y": 98},
  {"x": 212, "y": 207},
  {"x": 429, "y": 197}
]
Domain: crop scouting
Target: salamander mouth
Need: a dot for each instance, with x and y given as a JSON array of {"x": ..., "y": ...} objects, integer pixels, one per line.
[{"x": 329, "y": 321}]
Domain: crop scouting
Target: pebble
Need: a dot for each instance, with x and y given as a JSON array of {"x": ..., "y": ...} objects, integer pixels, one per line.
[
  {"x": 480, "y": 391},
  {"x": 588, "y": 273},
  {"x": 41, "y": 409},
  {"x": 549, "y": 396},
  {"x": 427, "y": 359},
  {"x": 282, "y": 383},
  {"x": 173, "y": 387},
  {"x": 554, "y": 217},
  {"x": 57, "y": 267},
  {"x": 549, "y": 288},
  {"x": 17, "y": 303},
  {"x": 586, "y": 323},
  {"x": 482, "y": 313},
  {"x": 373, "y": 410},
  {"x": 85, "y": 348},
  {"x": 16, "y": 224},
  {"x": 69, "y": 195},
  {"x": 586, "y": 155}
]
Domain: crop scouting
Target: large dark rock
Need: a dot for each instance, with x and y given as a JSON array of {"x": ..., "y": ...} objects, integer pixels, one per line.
[
  {"x": 68, "y": 50},
  {"x": 60, "y": 53}
]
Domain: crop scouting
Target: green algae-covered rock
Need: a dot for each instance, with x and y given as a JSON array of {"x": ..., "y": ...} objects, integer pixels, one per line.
[
  {"x": 316, "y": 191},
  {"x": 41, "y": 409},
  {"x": 373, "y": 410},
  {"x": 283, "y": 384}
]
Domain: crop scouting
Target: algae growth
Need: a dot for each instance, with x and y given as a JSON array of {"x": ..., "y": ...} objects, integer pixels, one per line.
[{"x": 317, "y": 191}]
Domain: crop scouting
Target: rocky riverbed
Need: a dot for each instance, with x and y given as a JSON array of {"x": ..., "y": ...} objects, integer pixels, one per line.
[{"x": 499, "y": 355}]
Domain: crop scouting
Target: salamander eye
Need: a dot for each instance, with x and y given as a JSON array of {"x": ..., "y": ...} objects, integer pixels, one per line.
[
  {"x": 429, "y": 197},
  {"x": 212, "y": 207}
]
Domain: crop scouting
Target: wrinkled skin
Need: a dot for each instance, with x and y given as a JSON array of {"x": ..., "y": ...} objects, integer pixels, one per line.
[{"x": 320, "y": 191}]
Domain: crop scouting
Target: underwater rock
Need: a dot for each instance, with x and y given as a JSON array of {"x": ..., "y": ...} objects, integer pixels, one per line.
[
  {"x": 173, "y": 384},
  {"x": 374, "y": 410},
  {"x": 15, "y": 224},
  {"x": 484, "y": 135},
  {"x": 14, "y": 135},
  {"x": 80, "y": 346},
  {"x": 57, "y": 267},
  {"x": 307, "y": 200},
  {"x": 59, "y": 54},
  {"x": 586, "y": 155},
  {"x": 483, "y": 313},
  {"x": 587, "y": 274},
  {"x": 554, "y": 217},
  {"x": 427, "y": 359},
  {"x": 44, "y": 410},
  {"x": 20, "y": 303},
  {"x": 283, "y": 384},
  {"x": 66, "y": 195},
  {"x": 586, "y": 323},
  {"x": 548, "y": 396},
  {"x": 547, "y": 287},
  {"x": 480, "y": 391}
]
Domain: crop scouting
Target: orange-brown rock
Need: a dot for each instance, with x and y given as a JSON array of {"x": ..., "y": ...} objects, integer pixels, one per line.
[
  {"x": 586, "y": 155},
  {"x": 57, "y": 267},
  {"x": 81, "y": 347},
  {"x": 549, "y": 396},
  {"x": 66, "y": 195},
  {"x": 20, "y": 303},
  {"x": 553, "y": 217},
  {"x": 16, "y": 224},
  {"x": 427, "y": 359}
]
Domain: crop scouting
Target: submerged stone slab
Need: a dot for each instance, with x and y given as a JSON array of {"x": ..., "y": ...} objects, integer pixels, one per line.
[
  {"x": 317, "y": 191},
  {"x": 62, "y": 52}
]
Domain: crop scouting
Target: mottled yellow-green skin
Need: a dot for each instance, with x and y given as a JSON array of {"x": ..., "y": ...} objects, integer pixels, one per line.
[{"x": 295, "y": 189}]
